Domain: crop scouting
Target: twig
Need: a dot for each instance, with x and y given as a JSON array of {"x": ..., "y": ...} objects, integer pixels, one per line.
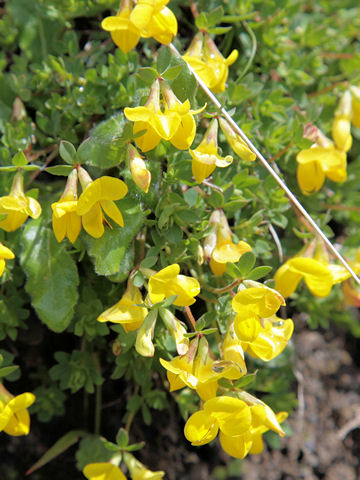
[
  {"x": 277, "y": 242},
  {"x": 190, "y": 317},
  {"x": 348, "y": 427}
]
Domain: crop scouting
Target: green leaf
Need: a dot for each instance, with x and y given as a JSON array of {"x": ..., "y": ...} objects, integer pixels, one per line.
[
  {"x": 172, "y": 72},
  {"x": 233, "y": 270},
  {"x": 246, "y": 263},
  {"x": 52, "y": 276},
  {"x": 67, "y": 152},
  {"x": 164, "y": 59},
  {"x": 148, "y": 262},
  {"x": 5, "y": 371},
  {"x": 148, "y": 75},
  {"x": 259, "y": 272},
  {"x": 122, "y": 438},
  {"x": 246, "y": 380},
  {"x": 59, "y": 447},
  {"x": 215, "y": 16},
  {"x": 105, "y": 147},
  {"x": 63, "y": 170},
  {"x": 19, "y": 159},
  {"x": 108, "y": 251},
  {"x": 135, "y": 446},
  {"x": 219, "y": 30}
]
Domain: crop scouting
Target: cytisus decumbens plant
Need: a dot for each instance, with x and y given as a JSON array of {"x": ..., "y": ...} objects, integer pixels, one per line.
[{"x": 142, "y": 241}]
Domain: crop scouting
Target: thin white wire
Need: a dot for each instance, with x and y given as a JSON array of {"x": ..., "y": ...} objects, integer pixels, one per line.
[{"x": 267, "y": 165}]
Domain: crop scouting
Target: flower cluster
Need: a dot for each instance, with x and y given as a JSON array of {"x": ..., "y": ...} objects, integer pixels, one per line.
[
  {"x": 204, "y": 57},
  {"x": 147, "y": 19},
  {"x": 174, "y": 122},
  {"x": 98, "y": 196},
  {"x": 241, "y": 422},
  {"x": 326, "y": 158}
]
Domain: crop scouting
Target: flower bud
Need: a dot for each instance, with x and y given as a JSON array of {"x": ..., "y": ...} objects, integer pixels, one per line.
[{"x": 139, "y": 172}]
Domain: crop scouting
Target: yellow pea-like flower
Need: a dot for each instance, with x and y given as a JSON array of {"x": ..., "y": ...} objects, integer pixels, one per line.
[
  {"x": 138, "y": 471},
  {"x": 271, "y": 339},
  {"x": 155, "y": 20},
  {"x": 259, "y": 300},
  {"x": 124, "y": 32},
  {"x": 14, "y": 417},
  {"x": 169, "y": 282},
  {"x": 221, "y": 248},
  {"x": 99, "y": 196},
  {"x": 342, "y": 123},
  {"x": 236, "y": 142},
  {"x": 127, "y": 311},
  {"x": 103, "y": 471},
  {"x": 5, "y": 254},
  {"x": 318, "y": 277},
  {"x": 322, "y": 160},
  {"x": 17, "y": 206},
  {"x": 204, "y": 57},
  {"x": 66, "y": 222},
  {"x": 205, "y": 157}
]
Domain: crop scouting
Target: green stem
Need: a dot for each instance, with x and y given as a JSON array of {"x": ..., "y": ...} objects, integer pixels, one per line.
[{"x": 253, "y": 50}]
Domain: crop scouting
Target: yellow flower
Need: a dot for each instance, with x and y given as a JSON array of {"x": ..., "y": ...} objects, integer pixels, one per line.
[
  {"x": 259, "y": 301},
  {"x": 155, "y": 20},
  {"x": 199, "y": 371},
  {"x": 342, "y": 123},
  {"x": 259, "y": 331},
  {"x": 138, "y": 169},
  {"x": 204, "y": 57},
  {"x": 17, "y": 206},
  {"x": 98, "y": 195},
  {"x": 103, "y": 471},
  {"x": 66, "y": 222},
  {"x": 14, "y": 417},
  {"x": 184, "y": 134},
  {"x": 5, "y": 254},
  {"x": 319, "y": 276},
  {"x": 150, "y": 118},
  {"x": 355, "y": 106},
  {"x": 222, "y": 249},
  {"x": 262, "y": 420},
  {"x": 241, "y": 422},
  {"x": 236, "y": 142},
  {"x": 265, "y": 339},
  {"x": 168, "y": 282},
  {"x": 205, "y": 158},
  {"x": 123, "y": 31},
  {"x": 231, "y": 416},
  {"x": 233, "y": 355},
  {"x": 320, "y": 161},
  {"x": 126, "y": 311},
  {"x": 175, "y": 123},
  {"x": 138, "y": 471}
]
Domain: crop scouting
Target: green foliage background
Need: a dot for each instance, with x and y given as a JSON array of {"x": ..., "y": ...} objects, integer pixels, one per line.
[{"x": 62, "y": 79}]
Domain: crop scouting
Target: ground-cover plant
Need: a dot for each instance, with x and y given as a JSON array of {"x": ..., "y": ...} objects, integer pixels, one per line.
[{"x": 145, "y": 251}]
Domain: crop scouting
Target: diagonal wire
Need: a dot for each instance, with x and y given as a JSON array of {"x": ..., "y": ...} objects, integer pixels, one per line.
[{"x": 270, "y": 169}]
